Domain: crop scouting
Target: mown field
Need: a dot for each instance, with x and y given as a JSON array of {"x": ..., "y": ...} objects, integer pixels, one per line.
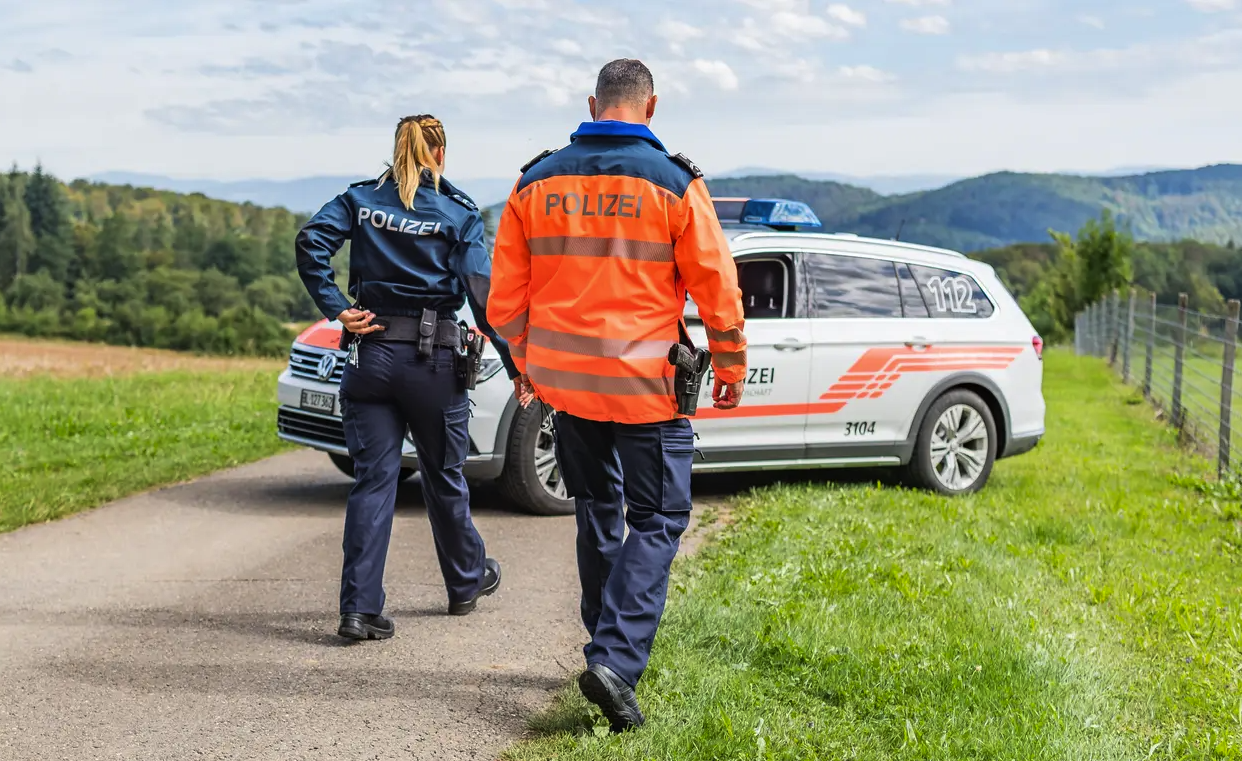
[
  {"x": 1086, "y": 605},
  {"x": 82, "y": 424}
]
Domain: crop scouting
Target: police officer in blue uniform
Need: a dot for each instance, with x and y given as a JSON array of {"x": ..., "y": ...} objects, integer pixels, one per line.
[{"x": 416, "y": 256}]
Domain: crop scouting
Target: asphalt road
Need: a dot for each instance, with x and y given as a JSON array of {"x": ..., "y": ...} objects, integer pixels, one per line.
[{"x": 198, "y": 622}]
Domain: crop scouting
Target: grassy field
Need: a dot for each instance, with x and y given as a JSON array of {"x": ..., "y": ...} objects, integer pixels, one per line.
[
  {"x": 82, "y": 424},
  {"x": 1086, "y": 605}
]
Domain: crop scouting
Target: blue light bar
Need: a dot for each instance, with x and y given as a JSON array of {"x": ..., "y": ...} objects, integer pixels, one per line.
[{"x": 779, "y": 213}]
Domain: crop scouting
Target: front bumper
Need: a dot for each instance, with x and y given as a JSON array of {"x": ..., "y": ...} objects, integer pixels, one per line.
[{"x": 326, "y": 433}]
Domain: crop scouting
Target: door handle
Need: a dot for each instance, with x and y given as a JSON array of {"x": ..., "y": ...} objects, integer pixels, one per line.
[
  {"x": 918, "y": 342},
  {"x": 791, "y": 344}
]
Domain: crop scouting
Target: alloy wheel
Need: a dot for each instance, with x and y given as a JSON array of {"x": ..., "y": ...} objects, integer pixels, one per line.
[
  {"x": 546, "y": 468},
  {"x": 959, "y": 447}
]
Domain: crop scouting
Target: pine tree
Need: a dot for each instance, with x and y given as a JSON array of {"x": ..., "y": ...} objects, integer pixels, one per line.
[
  {"x": 49, "y": 221},
  {"x": 17, "y": 242}
]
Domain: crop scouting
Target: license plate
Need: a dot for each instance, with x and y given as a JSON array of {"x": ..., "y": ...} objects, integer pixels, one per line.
[{"x": 318, "y": 401}]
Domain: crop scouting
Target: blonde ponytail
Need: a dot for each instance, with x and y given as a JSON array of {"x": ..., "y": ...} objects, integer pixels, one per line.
[{"x": 416, "y": 139}]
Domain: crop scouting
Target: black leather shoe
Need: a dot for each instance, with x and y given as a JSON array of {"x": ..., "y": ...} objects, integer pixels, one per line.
[
  {"x": 491, "y": 582},
  {"x": 614, "y": 697},
  {"x": 363, "y": 626}
]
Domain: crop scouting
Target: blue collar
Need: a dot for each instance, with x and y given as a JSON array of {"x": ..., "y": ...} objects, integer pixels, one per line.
[{"x": 617, "y": 129}]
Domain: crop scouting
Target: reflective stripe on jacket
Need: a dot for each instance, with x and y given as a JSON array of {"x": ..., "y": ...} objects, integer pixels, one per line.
[{"x": 597, "y": 247}]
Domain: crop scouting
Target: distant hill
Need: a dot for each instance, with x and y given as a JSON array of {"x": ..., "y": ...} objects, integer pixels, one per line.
[
  {"x": 884, "y": 184},
  {"x": 304, "y": 195},
  {"x": 1004, "y": 208}
]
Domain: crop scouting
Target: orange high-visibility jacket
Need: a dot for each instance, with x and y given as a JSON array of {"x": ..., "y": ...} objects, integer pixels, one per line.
[{"x": 597, "y": 247}]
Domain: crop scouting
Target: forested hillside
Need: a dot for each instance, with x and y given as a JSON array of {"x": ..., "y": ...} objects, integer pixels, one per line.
[
  {"x": 141, "y": 267},
  {"x": 1054, "y": 281},
  {"x": 1005, "y": 208}
]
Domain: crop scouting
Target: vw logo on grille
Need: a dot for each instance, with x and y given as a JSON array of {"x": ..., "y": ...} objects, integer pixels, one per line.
[{"x": 326, "y": 366}]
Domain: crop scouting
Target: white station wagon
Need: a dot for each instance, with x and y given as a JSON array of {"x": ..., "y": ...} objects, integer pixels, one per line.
[{"x": 862, "y": 352}]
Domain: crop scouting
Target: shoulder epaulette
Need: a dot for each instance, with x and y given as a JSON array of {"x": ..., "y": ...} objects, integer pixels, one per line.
[
  {"x": 537, "y": 159},
  {"x": 464, "y": 200},
  {"x": 685, "y": 161}
]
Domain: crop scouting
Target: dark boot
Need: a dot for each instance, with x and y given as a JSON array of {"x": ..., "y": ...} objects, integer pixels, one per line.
[
  {"x": 364, "y": 626},
  {"x": 614, "y": 697},
  {"x": 491, "y": 582}
]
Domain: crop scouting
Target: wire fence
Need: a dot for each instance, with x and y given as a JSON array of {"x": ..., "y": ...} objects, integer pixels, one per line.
[{"x": 1182, "y": 360}]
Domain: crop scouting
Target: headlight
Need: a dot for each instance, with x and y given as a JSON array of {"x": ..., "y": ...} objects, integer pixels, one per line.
[{"x": 490, "y": 367}]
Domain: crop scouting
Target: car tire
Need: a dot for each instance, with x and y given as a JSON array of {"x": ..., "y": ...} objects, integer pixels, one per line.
[
  {"x": 345, "y": 464},
  {"x": 956, "y": 445},
  {"x": 536, "y": 487}
]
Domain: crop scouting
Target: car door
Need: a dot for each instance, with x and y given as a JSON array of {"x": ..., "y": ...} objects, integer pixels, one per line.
[
  {"x": 770, "y": 424},
  {"x": 860, "y": 332}
]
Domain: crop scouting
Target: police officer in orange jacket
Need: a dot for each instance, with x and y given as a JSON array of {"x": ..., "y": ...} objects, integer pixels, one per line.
[{"x": 597, "y": 247}]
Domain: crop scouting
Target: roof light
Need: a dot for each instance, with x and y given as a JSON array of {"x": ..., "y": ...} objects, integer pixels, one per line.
[{"x": 779, "y": 213}]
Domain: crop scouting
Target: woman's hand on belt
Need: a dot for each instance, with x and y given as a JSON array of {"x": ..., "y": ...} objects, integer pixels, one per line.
[{"x": 358, "y": 321}]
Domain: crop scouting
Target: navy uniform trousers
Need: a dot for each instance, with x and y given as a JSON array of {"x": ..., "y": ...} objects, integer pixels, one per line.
[
  {"x": 390, "y": 389},
  {"x": 607, "y": 467}
]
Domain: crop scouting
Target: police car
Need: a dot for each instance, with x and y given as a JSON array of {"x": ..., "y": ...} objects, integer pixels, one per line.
[{"x": 862, "y": 352}]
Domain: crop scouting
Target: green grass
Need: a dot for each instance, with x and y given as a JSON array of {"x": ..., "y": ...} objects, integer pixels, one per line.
[
  {"x": 72, "y": 444},
  {"x": 1086, "y": 605}
]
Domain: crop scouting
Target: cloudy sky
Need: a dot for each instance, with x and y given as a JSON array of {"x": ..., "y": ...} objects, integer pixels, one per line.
[{"x": 233, "y": 89}]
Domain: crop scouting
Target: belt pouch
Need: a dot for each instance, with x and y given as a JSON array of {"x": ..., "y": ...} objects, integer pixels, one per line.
[{"x": 427, "y": 333}]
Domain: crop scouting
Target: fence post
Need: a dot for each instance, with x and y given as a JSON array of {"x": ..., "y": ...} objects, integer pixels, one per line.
[
  {"x": 1114, "y": 328},
  {"x": 1151, "y": 350},
  {"x": 1097, "y": 325},
  {"x": 1129, "y": 337},
  {"x": 1226, "y": 390},
  {"x": 1179, "y": 346}
]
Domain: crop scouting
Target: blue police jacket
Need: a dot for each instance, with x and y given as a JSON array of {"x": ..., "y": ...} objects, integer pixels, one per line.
[{"x": 401, "y": 261}]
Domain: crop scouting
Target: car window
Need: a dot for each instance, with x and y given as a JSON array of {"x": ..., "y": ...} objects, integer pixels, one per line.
[
  {"x": 765, "y": 288},
  {"x": 845, "y": 287},
  {"x": 765, "y": 291},
  {"x": 951, "y": 294},
  {"x": 912, "y": 304}
]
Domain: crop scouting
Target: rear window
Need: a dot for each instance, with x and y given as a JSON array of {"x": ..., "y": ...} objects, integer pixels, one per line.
[
  {"x": 951, "y": 294},
  {"x": 845, "y": 287}
]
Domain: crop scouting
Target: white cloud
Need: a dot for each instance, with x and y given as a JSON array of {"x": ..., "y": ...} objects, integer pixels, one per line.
[
  {"x": 776, "y": 5},
  {"x": 1213, "y": 6},
  {"x": 865, "y": 74},
  {"x": 926, "y": 25},
  {"x": 1002, "y": 63},
  {"x": 567, "y": 47},
  {"x": 1092, "y": 21},
  {"x": 676, "y": 31},
  {"x": 922, "y": 3},
  {"x": 796, "y": 25},
  {"x": 847, "y": 15},
  {"x": 719, "y": 72}
]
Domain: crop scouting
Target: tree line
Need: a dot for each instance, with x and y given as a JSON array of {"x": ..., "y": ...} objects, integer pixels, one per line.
[
  {"x": 1054, "y": 281},
  {"x": 142, "y": 267}
]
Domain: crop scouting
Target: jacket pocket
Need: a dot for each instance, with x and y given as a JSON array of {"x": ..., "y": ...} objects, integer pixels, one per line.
[{"x": 456, "y": 435}]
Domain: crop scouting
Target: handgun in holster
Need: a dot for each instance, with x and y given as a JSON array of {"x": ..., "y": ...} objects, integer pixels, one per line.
[
  {"x": 691, "y": 364},
  {"x": 470, "y": 356}
]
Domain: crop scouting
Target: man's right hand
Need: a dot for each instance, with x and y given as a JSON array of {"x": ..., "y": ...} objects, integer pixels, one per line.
[
  {"x": 358, "y": 321},
  {"x": 727, "y": 396},
  {"x": 524, "y": 392}
]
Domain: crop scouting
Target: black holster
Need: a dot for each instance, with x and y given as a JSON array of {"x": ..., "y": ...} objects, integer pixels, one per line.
[
  {"x": 692, "y": 364},
  {"x": 470, "y": 356}
]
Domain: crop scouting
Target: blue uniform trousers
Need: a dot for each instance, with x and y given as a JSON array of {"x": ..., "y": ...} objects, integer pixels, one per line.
[
  {"x": 607, "y": 467},
  {"x": 390, "y": 389}
]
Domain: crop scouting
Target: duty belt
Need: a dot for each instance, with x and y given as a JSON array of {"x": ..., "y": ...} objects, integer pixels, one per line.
[{"x": 447, "y": 333}]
